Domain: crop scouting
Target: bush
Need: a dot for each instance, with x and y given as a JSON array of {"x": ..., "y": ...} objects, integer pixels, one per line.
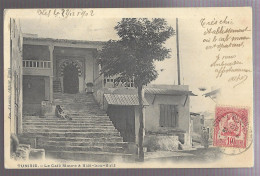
[{"x": 151, "y": 144}]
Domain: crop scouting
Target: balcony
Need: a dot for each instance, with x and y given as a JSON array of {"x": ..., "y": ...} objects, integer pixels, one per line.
[
  {"x": 36, "y": 64},
  {"x": 37, "y": 67},
  {"x": 115, "y": 82}
]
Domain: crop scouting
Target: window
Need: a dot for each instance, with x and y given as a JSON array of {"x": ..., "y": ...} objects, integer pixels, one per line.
[{"x": 169, "y": 116}]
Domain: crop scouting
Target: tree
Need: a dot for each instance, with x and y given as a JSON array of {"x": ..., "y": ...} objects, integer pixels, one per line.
[{"x": 132, "y": 56}]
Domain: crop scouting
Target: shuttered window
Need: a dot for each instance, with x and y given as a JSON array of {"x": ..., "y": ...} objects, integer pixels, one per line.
[{"x": 169, "y": 115}]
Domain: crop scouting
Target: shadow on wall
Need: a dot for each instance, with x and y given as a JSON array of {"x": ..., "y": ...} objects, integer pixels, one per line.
[{"x": 33, "y": 94}]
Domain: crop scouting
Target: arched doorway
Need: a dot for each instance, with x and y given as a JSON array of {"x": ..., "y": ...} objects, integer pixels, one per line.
[{"x": 70, "y": 79}]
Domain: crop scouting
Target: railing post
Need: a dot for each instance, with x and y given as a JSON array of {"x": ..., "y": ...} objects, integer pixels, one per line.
[
  {"x": 102, "y": 81},
  {"x": 51, "y": 48},
  {"x": 51, "y": 89},
  {"x": 37, "y": 64}
]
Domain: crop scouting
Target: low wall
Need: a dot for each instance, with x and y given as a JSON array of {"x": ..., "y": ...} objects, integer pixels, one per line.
[{"x": 161, "y": 142}]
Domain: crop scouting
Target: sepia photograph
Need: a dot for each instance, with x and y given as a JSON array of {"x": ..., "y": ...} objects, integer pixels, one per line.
[{"x": 128, "y": 88}]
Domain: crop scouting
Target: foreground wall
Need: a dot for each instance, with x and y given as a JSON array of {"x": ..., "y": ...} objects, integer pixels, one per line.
[{"x": 15, "y": 77}]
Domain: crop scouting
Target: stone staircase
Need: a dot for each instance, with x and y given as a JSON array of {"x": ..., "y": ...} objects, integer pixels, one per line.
[
  {"x": 56, "y": 86},
  {"x": 89, "y": 136}
]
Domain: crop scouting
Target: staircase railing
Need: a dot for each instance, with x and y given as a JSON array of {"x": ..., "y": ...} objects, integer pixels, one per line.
[{"x": 99, "y": 82}]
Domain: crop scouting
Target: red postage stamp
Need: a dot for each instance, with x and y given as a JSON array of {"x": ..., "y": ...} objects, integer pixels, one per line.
[{"x": 231, "y": 125}]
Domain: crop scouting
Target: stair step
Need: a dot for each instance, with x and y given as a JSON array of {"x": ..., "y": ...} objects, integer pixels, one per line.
[
  {"x": 71, "y": 126},
  {"x": 81, "y": 117},
  {"x": 72, "y": 134},
  {"x": 89, "y": 135},
  {"x": 88, "y": 114},
  {"x": 85, "y": 111},
  {"x": 89, "y": 156},
  {"x": 54, "y": 117},
  {"x": 42, "y": 130},
  {"x": 82, "y": 143},
  {"x": 76, "y": 124},
  {"x": 82, "y": 122},
  {"x": 59, "y": 120},
  {"x": 68, "y": 126},
  {"x": 74, "y": 117},
  {"x": 82, "y": 139},
  {"x": 84, "y": 148}
]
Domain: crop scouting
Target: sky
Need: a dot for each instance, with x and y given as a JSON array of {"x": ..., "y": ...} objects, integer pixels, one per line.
[
  {"x": 103, "y": 30},
  {"x": 196, "y": 70}
]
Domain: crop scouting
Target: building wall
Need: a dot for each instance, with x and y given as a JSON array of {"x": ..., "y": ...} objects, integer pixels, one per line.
[
  {"x": 37, "y": 71},
  {"x": 123, "y": 118},
  {"x": 209, "y": 125},
  {"x": 153, "y": 111},
  {"x": 36, "y": 52},
  {"x": 96, "y": 71},
  {"x": 198, "y": 123},
  {"x": 152, "y": 116},
  {"x": 83, "y": 52},
  {"x": 16, "y": 77},
  {"x": 129, "y": 91},
  {"x": 35, "y": 90}
]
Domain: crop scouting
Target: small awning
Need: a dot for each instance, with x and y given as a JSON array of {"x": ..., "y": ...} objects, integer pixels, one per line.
[
  {"x": 125, "y": 100},
  {"x": 194, "y": 114},
  {"x": 157, "y": 91},
  {"x": 212, "y": 93}
]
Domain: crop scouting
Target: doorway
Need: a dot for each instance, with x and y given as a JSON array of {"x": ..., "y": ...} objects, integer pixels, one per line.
[
  {"x": 70, "y": 79},
  {"x": 123, "y": 118},
  {"x": 33, "y": 94}
]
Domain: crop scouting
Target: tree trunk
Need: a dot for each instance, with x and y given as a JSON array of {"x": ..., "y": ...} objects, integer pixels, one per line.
[{"x": 141, "y": 128}]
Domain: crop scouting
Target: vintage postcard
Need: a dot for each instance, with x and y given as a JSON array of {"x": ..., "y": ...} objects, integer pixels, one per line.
[{"x": 128, "y": 88}]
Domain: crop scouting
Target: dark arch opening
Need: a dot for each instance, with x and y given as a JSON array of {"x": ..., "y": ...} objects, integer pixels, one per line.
[{"x": 70, "y": 79}]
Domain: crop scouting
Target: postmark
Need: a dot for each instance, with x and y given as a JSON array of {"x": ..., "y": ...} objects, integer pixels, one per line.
[{"x": 231, "y": 130}]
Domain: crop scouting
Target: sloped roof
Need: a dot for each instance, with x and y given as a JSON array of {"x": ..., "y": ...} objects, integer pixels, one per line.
[
  {"x": 126, "y": 100},
  {"x": 214, "y": 92},
  {"x": 194, "y": 114},
  {"x": 157, "y": 91}
]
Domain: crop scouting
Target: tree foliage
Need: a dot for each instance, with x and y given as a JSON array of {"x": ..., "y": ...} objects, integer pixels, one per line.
[{"x": 141, "y": 43}]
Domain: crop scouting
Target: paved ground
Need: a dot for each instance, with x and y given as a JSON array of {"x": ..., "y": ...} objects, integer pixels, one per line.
[{"x": 200, "y": 154}]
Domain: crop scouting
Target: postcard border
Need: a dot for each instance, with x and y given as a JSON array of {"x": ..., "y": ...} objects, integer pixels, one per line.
[{"x": 152, "y": 3}]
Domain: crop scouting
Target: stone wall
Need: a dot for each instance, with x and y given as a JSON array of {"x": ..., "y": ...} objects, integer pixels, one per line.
[
  {"x": 15, "y": 77},
  {"x": 161, "y": 142},
  {"x": 36, "y": 52}
]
